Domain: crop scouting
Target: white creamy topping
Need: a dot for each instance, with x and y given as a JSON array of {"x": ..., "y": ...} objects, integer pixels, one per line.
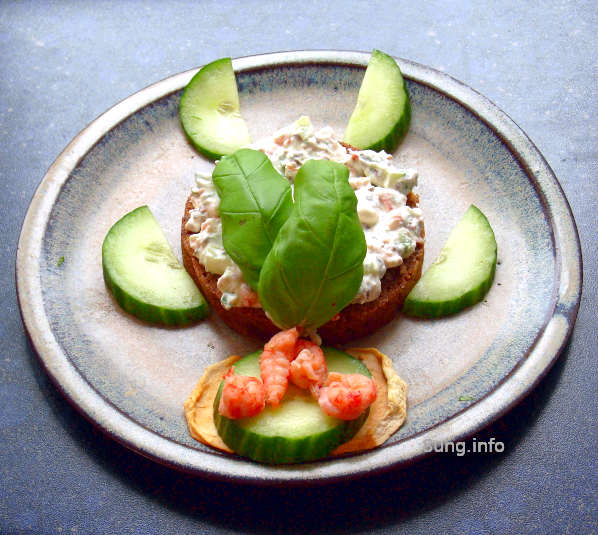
[
  {"x": 379, "y": 169},
  {"x": 292, "y": 146},
  {"x": 392, "y": 229},
  {"x": 208, "y": 246},
  {"x": 235, "y": 292},
  {"x": 205, "y": 201}
]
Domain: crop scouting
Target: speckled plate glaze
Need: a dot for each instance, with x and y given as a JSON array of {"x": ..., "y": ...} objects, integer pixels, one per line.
[{"x": 131, "y": 379}]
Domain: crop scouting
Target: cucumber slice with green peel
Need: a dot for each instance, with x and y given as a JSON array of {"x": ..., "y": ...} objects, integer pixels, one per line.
[
  {"x": 209, "y": 111},
  {"x": 383, "y": 112},
  {"x": 295, "y": 431},
  {"x": 145, "y": 277},
  {"x": 463, "y": 272}
]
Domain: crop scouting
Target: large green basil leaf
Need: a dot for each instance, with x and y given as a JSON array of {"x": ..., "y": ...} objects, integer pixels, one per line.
[
  {"x": 315, "y": 266},
  {"x": 255, "y": 201}
]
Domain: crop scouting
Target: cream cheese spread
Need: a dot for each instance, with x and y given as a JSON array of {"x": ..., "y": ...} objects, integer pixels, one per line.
[{"x": 392, "y": 229}]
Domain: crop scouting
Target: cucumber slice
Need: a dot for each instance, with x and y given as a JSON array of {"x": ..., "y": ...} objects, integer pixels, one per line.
[
  {"x": 144, "y": 276},
  {"x": 209, "y": 111},
  {"x": 297, "y": 430},
  {"x": 463, "y": 272},
  {"x": 383, "y": 112}
]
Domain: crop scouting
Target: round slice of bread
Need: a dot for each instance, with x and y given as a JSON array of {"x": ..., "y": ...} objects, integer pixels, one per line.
[{"x": 354, "y": 321}]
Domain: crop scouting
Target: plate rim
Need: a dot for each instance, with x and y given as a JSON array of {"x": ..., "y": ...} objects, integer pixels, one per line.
[{"x": 526, "y": 374}]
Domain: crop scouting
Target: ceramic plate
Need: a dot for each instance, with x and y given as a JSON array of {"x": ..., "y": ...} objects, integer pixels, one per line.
[{"x": 463, "y": 371}]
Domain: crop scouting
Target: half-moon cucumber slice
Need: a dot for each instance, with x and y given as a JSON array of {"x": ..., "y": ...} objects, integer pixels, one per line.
[
  {"x": 145, "y": 277},
  {"x": 383, "y": 112},
  {"x": 209, "y": 111},
  {"x": 463, "y": 272}
]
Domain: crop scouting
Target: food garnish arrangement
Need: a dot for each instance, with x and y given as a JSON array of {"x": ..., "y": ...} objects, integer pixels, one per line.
[{"x": 305, "y": 241}]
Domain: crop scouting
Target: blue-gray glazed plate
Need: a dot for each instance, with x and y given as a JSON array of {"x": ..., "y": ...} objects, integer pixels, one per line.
[{"x": 463, "y": 371}]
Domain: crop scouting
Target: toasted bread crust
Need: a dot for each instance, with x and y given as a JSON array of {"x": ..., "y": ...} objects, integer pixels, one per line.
[{"x": 354, "y": 321}]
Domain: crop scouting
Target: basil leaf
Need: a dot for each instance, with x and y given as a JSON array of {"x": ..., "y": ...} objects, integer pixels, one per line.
[
  {"x": 315, "y": 266},
  {"x": 255, "y": 201}
]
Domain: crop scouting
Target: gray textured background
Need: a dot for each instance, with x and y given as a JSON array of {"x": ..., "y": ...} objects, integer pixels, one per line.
[{"x": 64, "y": 63}]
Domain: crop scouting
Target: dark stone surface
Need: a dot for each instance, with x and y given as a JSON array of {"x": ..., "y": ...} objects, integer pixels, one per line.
[{"x": 64, "y": 63}]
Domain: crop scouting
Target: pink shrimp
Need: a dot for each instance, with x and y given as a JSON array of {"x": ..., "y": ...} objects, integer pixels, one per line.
[
  {"x": 241, "y": 396},
  {"x": 275, "y": 364},
  {"x": 308, "y": 370},
  {"x": 248, "y": 297},
  {"x": 346, "y": 395},
  {"x": 396, "y": 218},
  {"x": 386, "y": 201}
]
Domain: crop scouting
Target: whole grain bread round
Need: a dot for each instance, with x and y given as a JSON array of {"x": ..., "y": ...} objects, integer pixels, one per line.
[{"x": 354, "y": 321}]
